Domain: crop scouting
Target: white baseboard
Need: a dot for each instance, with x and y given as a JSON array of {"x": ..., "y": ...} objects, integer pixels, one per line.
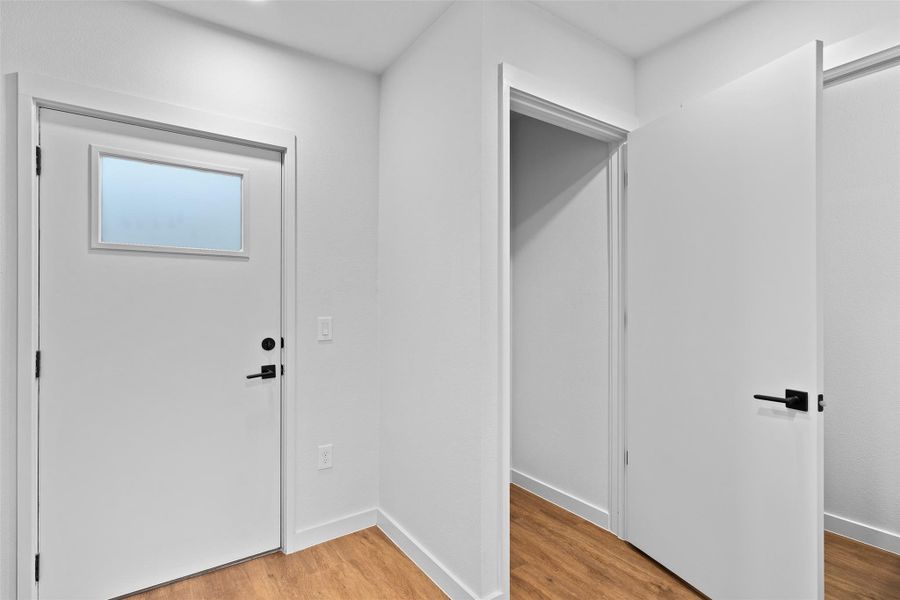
[
  {"x": 425, "y": 560},
  {"x": 317, "y": 534},
  {"x": 582, "y": 508},
  {"x": 863, "y": 533}
]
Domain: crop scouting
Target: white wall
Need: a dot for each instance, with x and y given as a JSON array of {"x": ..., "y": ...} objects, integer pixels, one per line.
[
  {"x": 750, "y": 37},
  {"x": 146, "y": 50},
  {"x": 861, "y": 225},
  {"x": 7, "y": 343},
  {"x": 438, "y": 266},
  {"x": 560, "y": 313},
  {"x": 592, "y": 77},
  {"x": 428, "y": 283}
]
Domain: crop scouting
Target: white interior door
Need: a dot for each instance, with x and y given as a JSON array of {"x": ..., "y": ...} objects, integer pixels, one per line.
[
  {"x": 160, "y": 262},
  {"x": 723, "y": 304}
]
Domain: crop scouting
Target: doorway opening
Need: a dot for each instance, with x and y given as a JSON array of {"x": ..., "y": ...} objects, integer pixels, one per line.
[
  {"x": 861, "y": 288},
  {"x": 563, "y": 191},
  {"x": 559, "y": 275}
]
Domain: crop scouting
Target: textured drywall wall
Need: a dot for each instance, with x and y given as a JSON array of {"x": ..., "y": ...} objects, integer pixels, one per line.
[
  {"x": 861, "y": 244},
  {"x": 560, "y": 309},
  {"x": 146, "y": 50}
]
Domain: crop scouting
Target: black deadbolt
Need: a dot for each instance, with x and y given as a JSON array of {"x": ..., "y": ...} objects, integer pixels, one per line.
[{"x": 268, "y": 344}]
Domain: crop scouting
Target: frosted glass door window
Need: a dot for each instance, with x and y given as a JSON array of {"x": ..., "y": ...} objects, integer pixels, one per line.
[{"x": 155, "y": 205}]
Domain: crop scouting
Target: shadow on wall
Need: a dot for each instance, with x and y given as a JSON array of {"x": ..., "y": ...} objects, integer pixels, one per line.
[
  {"x": 538, "y": 203},
  {"x": 559, "y": 312}
]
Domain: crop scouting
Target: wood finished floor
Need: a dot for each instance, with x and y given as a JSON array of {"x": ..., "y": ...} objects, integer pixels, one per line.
[
  {"x": 858, "y": 571},
  {"x": 557, "y": 555},
  {"x": 554, "y": 556},
  {"x": 365, "y": 565}
]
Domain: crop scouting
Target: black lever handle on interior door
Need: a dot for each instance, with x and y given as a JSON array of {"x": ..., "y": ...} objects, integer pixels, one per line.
[
  {"x": 792, "y": 399},
  {"x": 265, "y": 372}
]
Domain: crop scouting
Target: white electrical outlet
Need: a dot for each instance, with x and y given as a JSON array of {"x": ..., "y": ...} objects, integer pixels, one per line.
[
  {"x": 325, "y": 456},
  {"x": 325, "y": 331}
]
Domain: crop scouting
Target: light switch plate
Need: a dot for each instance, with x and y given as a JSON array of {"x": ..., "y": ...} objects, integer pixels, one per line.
[{"x": 325, "y": 331}]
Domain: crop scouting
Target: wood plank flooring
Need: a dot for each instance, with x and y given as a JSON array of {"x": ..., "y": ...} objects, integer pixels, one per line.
[
  {"x": 555, "y": 555},
  {"x": 361, "y": 566},
  {"x": 558, "y": 555},
  {"x": 858, "y": 571}
]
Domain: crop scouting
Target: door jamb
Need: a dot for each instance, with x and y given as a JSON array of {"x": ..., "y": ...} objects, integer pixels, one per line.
[
  {"x": 29, "y": 93},
  {"x": 523, "y": 93}
]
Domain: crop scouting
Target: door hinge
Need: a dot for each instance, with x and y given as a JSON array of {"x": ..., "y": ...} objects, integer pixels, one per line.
[
  {"x": 37, "y": 567},
  {"x": 282, "y": 369},
  {"x": 282, "y": 342},
  {"x": 626, "y": 458},
  {"x": 821, "y": 403},
  {"x": 37, "y": 160},
  {"x": 37, "y": 363}
]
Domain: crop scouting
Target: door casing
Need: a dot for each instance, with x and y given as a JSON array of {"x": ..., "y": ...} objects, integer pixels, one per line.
[
  {"x": 523, "y": 93},
  {"x": 30, "y": 92}
]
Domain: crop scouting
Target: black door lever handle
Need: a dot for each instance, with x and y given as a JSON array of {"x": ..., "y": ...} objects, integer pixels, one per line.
[
  {"x": 792, "y": 399},
  {"x": 265, "y": 372}
]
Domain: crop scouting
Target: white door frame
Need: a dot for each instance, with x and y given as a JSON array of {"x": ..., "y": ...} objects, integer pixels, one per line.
[
  {"x": 523, "y": 93},
  {"x": 31, "y": 92}
]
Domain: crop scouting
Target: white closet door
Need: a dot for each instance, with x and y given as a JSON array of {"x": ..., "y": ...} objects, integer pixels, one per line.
[{"x": 723, "y": 304}]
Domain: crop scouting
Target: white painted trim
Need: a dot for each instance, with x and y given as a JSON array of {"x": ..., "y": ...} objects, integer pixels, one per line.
[
  {"x": 504, "y": 346},
  {"x": 862, "y": 66},
  {"x": 26, "y": 346},
  {"x": 532, "y": 106},
  {"x": 426, "y": 561},
  {"x": 548, "y": 94},
  {"x": 290, "y": 281},
  {"x": 617, "y": 302},
  {"x": 115, "y": 106},
  {"x": 545, "y": 103},
  {"x": 873, "y": 536},
  {"x": 330, "y": 530},
  {"x": 566, "y": 501},
  {"x": 31, "y": 92}
]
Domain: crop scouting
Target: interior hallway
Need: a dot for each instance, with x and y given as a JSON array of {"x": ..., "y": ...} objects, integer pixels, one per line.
[{"x": 555, "y": 555}]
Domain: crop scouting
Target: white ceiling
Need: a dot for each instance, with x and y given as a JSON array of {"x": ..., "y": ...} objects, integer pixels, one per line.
[
  {"x": 371, "y": 34},
  {"x": 364, "y": 34},
  {"x": 637, "y": 27}
]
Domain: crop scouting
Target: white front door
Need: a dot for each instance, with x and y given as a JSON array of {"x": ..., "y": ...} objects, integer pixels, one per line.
[
  {"x": 723, "y": 304},
  {"x": 160, "y": 271}
]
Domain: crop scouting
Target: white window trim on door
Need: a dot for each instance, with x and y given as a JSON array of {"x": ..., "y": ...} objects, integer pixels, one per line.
[
  {"x": 97, "y": 154},
  {"x": 524, "y": 93},
  {"x": 29, "y": 93}
]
